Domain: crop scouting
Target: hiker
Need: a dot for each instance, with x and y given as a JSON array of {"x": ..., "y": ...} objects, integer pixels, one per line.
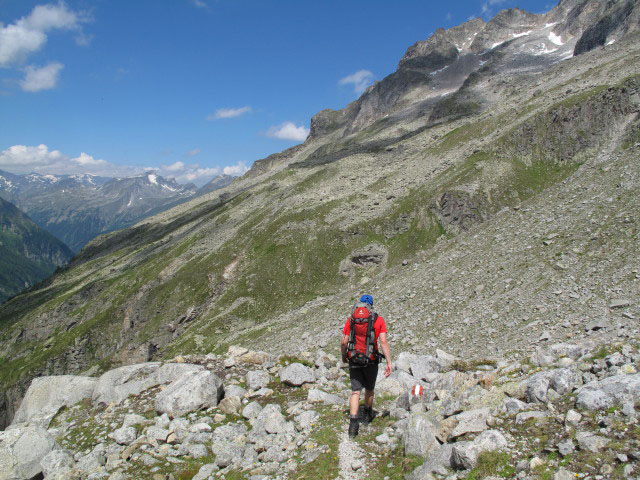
[{"x": 360, "y": 348}]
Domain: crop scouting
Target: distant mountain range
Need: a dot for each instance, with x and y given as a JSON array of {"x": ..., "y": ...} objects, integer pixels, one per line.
[
  {"x": 28, "y": 253},
  {"x": 78, "y": 208}
]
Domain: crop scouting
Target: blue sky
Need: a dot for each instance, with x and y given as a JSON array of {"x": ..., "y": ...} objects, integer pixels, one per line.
[{"x": 193, "y": 88}]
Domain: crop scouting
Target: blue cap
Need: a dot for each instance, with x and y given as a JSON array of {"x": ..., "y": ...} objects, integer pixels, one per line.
[{"x": 367, "y": 299}]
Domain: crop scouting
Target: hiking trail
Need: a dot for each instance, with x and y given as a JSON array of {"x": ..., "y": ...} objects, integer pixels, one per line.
[{"x": 352, "y": 459}]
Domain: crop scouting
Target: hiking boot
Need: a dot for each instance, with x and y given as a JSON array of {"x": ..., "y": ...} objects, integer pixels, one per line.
[
  {"x": 367, "y": 415},
  {"x": 354, "y": 426}
]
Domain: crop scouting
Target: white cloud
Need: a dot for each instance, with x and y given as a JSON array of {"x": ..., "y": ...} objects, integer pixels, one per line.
[
  {"x": 199, "y": 4},
  {"x": 28, "y": 34},
  {"x": 45, "y": 78},
  {"x": 288, "y": 131},
  {"x": 174, "y": 167},
  {"x": 22, "y": 159},
  {"x": 360, "y": 80},
  {"x": 26, "y": 159},
  {"x": 235, "y": 170},
  {"x": 193, "y": 153},
  {"x": 229, "y": 113}
]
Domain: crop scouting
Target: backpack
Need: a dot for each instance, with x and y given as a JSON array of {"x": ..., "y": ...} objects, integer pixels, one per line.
[{"x": 361, "y": 321}]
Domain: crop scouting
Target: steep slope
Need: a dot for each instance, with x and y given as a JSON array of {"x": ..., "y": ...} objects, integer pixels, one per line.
[
  {"x": 463, "y": 220},
  {"x": 77, "y": 208},
  {"x": 28, "y": 254}
]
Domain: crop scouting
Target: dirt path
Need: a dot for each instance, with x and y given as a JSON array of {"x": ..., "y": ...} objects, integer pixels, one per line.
[{"x": 352, "y": 458}]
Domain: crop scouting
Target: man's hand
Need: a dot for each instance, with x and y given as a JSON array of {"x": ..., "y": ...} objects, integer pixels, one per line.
[{"x": 388, "y": 369}]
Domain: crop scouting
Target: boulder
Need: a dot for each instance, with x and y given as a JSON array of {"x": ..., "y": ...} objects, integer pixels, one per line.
[
  {"x": 254, "y": 358},
  {"x": 420, "y": 436},
  {"x": 57, "y": 464},
  {"x": 297, "y": 374},
  {"x": 257, "y": 379},
  {"x": 252, "y": 410},
  {"x": 194, "y": 391},
  {"x": 591, "y": 442},
  {"x": 465, "y": 454},
  {"x": 594, "y": 400},
  {"x": 116, "y": 385},
  {"x": 318, "y": 396},
  {"x": 424, "y": 365},
  {"x": 124, "y": 435},
  {"x": 604, "y": 393},
  {"x": 537, "y": 386},
  {"x": 47, "y": 395},
  {"x": 471, "y": 421},
  {"x": 21, "y": 451},
  {"x": 404, "y": 361},
  {"x": 206, "y": 471},
  {"x": 231, "y": 405}
]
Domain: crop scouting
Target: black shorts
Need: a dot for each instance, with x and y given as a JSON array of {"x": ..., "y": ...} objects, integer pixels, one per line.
[{"x": 363, "y": 377}]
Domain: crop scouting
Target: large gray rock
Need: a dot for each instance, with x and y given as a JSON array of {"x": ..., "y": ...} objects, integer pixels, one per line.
[
  {"x": 318, "y": 396},
  {"x": 537, "y": 386},
  {"x": 257, "y": 379},
  {"x": 609, "y": 391},
  {"x": 591, "y": 442},
  {"x": 252, "y": 410},
  {"x": 46, "y": 395},
  {"x": 124, "y": 435},
  {"x": 57, "y": 464},
  {"x": 470, "y": 421},
  {"x": 194, "y": 391},
  {"x": 297, "y": 374},
  {"x": 424, "y": 365},
  {"x": 404, "y": 361},
  {"x": 116, "y": 385},
  {"x": 420, "y": 436},
  {"x": 438, "y": 461},
  {"x": 465, "y": 454},
  {"x": 21, "y": 451},
  {"x": 271, "y": 420}
]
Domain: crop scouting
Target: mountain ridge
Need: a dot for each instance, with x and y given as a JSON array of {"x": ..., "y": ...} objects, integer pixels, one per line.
[
  {"x": 77, "y": 208},
  {"x": 305, "y": 230}
]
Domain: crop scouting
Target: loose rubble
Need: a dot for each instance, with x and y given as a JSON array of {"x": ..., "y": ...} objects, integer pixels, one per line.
[{"x": 207, "y": 417}]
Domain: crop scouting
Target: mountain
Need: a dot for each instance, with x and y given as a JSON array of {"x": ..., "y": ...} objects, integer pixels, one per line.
[
  {"x": 77, "y": 208},
  {"x": 485, "y": 193},
  {"x": 215, "y": 183},
  {"x": 28, "y": 254}
]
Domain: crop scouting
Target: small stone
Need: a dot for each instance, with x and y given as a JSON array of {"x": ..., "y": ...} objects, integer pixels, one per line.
[
  {"x": 564, "y": 474},
  {"x": 622, "y": 458},
  {"x": 619, "y": 303},
  {"x": 566, "y": 448},
  {"x": 606, "y": 469},
  {"x": 535, "y": 463},
  {"x": 356, "y": 465},
  {"x": 572, "y": 417}
]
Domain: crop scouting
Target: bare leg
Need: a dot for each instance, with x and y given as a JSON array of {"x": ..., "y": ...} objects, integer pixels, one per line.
[
  {"x": 368, "y": 398},
  {"x": 354, "y": 403}
]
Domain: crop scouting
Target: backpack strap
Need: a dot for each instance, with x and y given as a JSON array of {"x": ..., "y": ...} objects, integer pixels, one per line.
[
  {"x": 371, "y": 334},
  {"x": 352, "y": 335}
]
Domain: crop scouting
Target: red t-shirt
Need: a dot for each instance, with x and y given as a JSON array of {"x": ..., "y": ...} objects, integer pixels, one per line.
[{"x": 379, "y": 326}]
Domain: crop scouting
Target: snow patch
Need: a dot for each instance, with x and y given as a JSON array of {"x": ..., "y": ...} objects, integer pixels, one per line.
[
  {"x": 555, "y": 39},
  {"x": 438, "y": 71},
  {"x": 495, "y": 45},
  {"x": 153, "y": 178},
  {"x": 523, "y": 34},
  {"x": 549, "y": 25},
  {"x": 611, "y": 42}
]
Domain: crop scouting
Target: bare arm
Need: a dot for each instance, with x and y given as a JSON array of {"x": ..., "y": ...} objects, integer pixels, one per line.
[{"x": 386, "y": 351}]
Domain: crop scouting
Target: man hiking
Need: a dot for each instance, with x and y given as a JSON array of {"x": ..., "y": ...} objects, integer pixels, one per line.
[{"x": 360, "y": 348}]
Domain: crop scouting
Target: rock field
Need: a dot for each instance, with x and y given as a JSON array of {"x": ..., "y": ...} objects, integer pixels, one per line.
[{"x": 565, "y": 412}]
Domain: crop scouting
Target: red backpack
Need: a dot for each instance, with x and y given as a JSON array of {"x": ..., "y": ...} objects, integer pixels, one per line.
[{"x": 361, "y": 349}]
